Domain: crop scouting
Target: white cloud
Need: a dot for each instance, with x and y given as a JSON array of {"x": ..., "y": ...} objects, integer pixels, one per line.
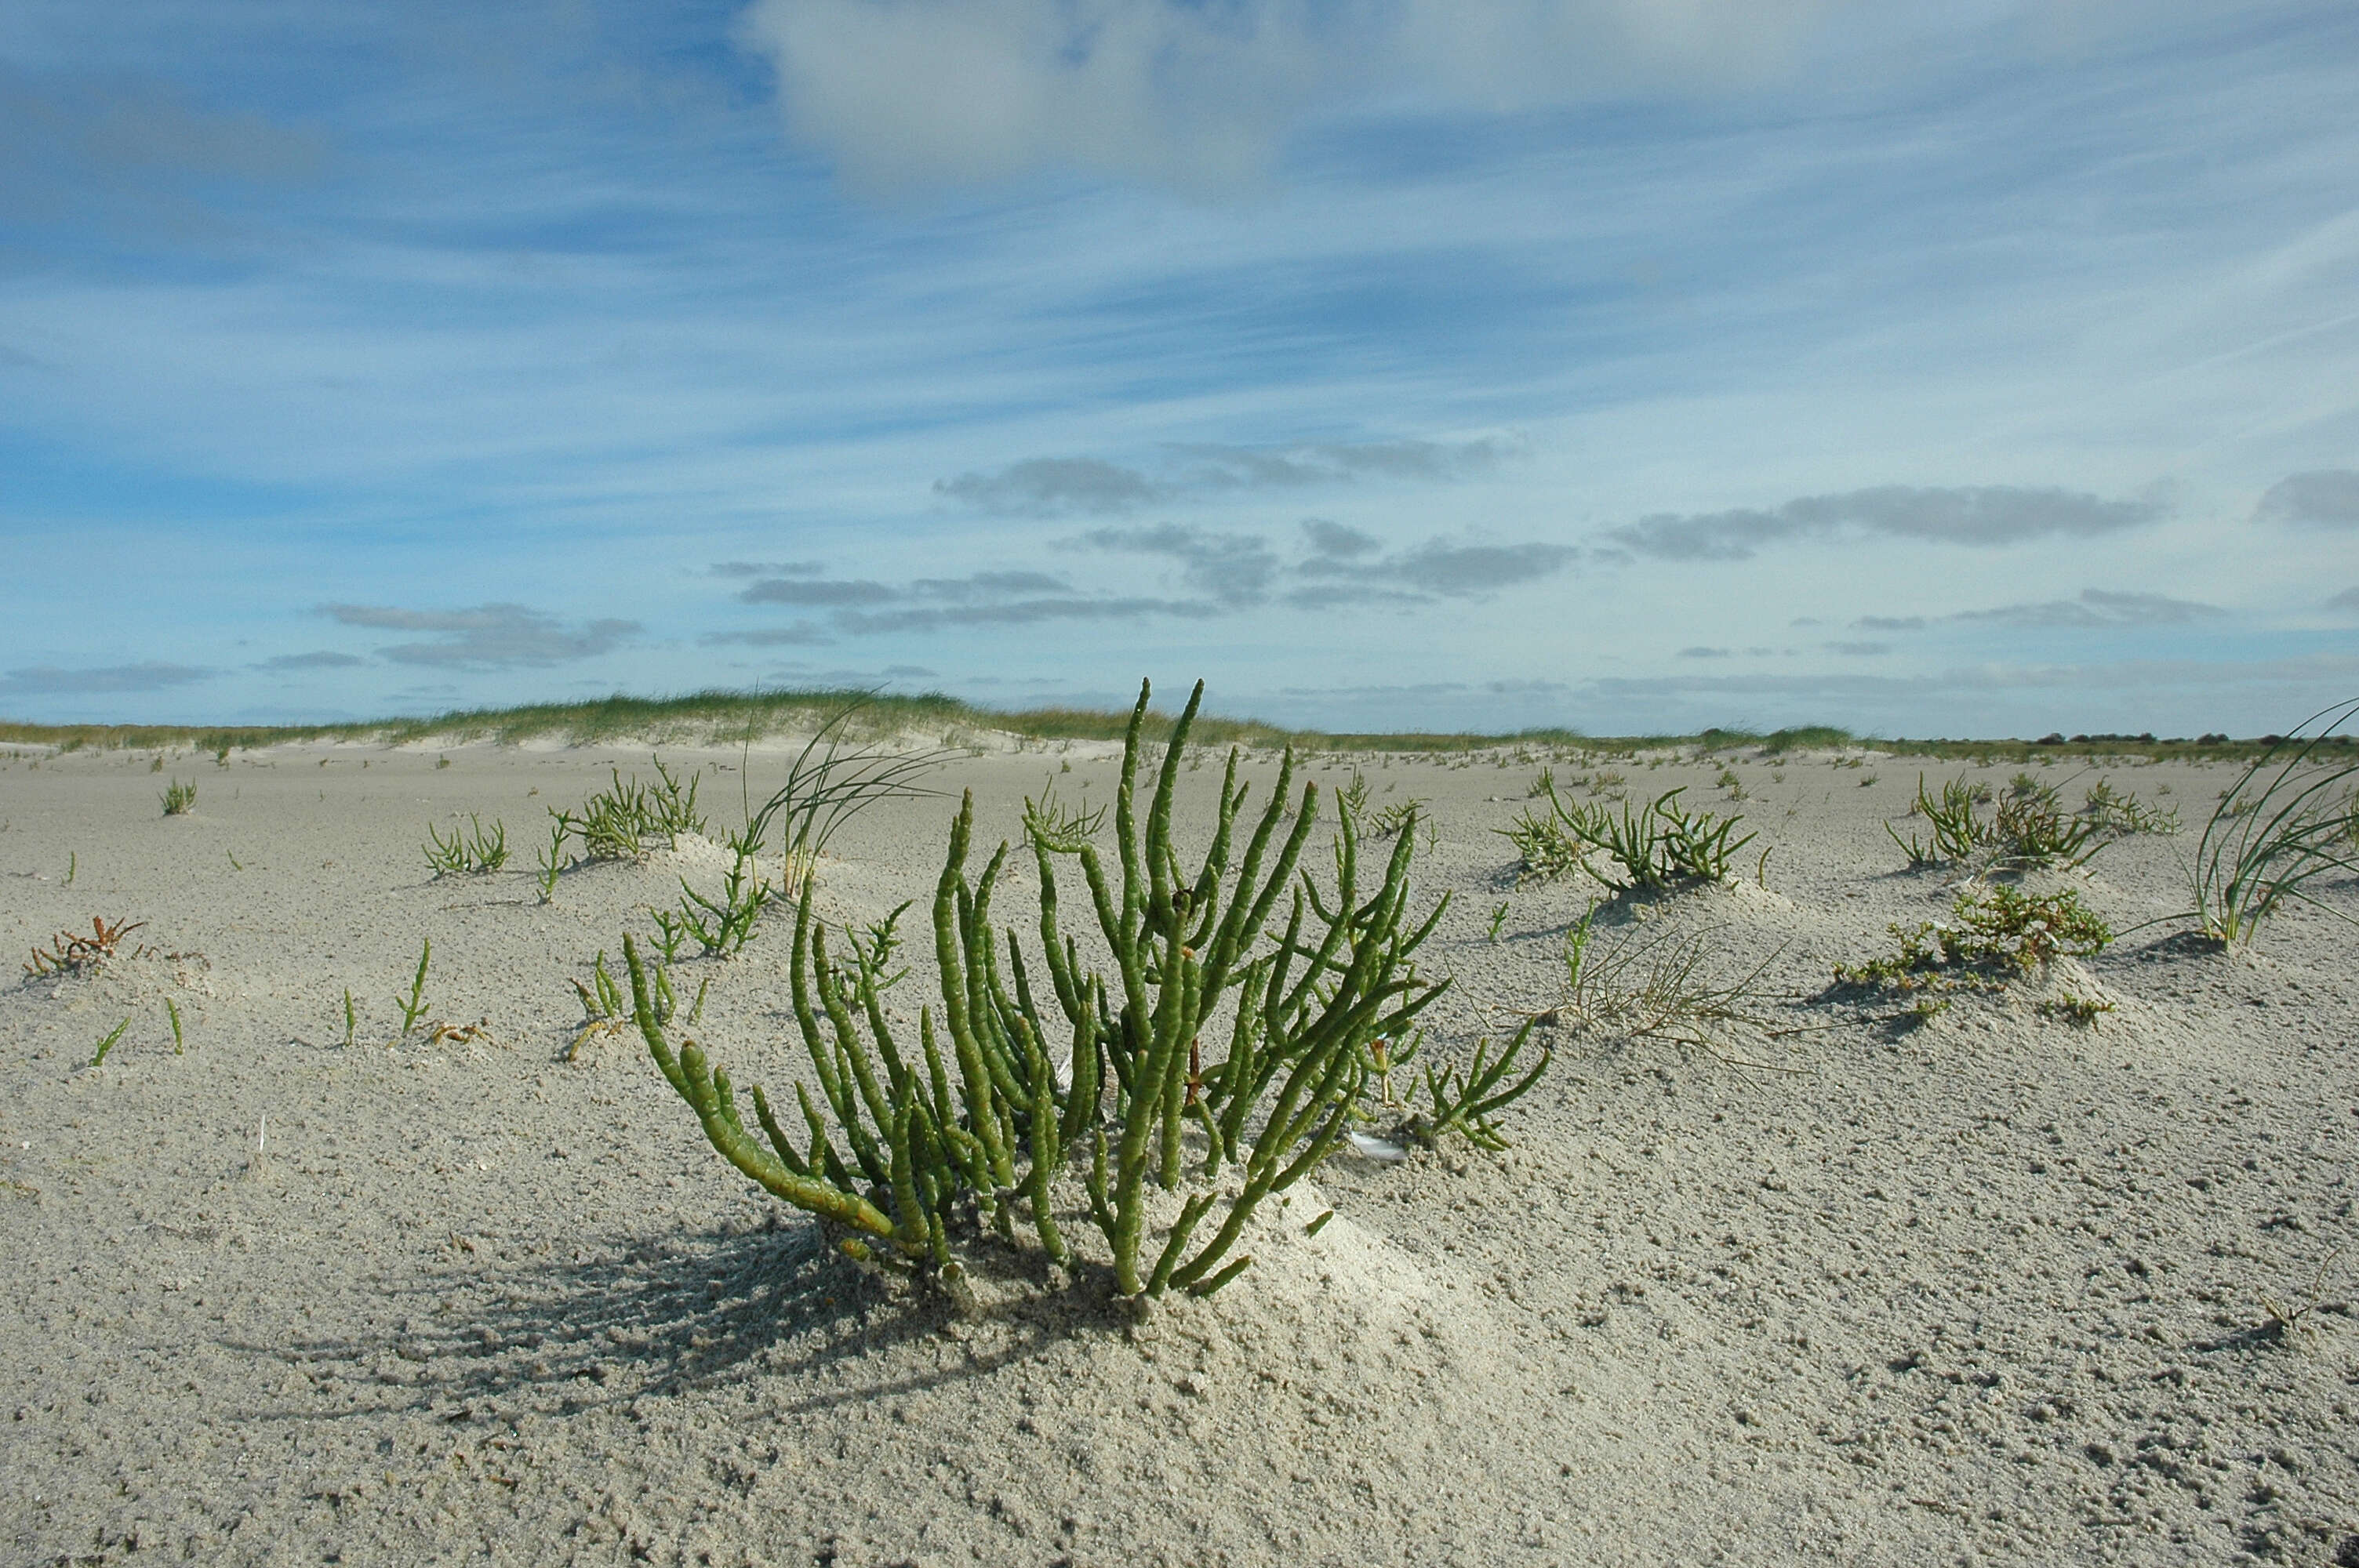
[
  {"x": 487, "y": 637},
  {"x": 1199, "y": 95},
  {"x": 49, "y": 680}
]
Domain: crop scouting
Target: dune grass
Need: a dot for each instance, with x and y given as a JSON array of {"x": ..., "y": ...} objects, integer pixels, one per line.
[
  {"x": 720, "y": 716},
  {"x": 2289, "y": 818}
]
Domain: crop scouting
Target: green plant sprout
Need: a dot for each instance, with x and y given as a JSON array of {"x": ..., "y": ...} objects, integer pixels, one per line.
[
  {"x": 73, "y": 866},
  {"x": 352, "y": 1018},
  {"x": 2125, "y": 815},
  {"x": 172, "y": 1011},
  {"x": 179, "y": 797},
  {"x": 1996, "y": 936},
  {"x": 552, "y": 861},
  {"x": 1464, "y": 1101},
  {"x": 605, "y": 1010},
  {"x": 416, "y": 1007},
  {"x": 233, "y": 862},
  {"x": 723, "y": 925},
  {"x": 2029, "y": 828},
  {"x": 2033, "y": 829},
  {"x": 1656, "y": 985},
  {"x": 1498, "y": 921},
  {"x": 622, "y": 823},
  {"x": 1957, "y": 832},
  {"x": 1658, "y": 846},
  {"x": 108, "y": 1043},
  {"x": 1353, "y": 796},
  {"x": 672, "y": 932},
  {"x": 475, "y": 852},
  {"x": 906, "y": 1143},
  {"x": 2070, "y": 1007}
]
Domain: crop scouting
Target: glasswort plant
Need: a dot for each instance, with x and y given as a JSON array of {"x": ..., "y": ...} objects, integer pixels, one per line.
[{"x": 904, "y": 1140}]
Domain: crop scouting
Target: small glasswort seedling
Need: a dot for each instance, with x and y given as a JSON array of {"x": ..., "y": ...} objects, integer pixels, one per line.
[
  {"x": 108, "y": 1043},
  {"x": 416, "y": 1006},
  {"x": 473, "y": 852}
]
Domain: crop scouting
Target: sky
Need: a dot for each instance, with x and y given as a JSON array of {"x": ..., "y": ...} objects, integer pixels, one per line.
[{"x": 1979, "y": 368}]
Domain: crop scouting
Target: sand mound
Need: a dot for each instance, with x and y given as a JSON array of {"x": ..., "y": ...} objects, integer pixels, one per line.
[{"x": 2006, "y": 1285}]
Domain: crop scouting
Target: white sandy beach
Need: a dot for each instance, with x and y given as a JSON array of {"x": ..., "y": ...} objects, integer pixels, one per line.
[{"x": 1995, "y": 1290}]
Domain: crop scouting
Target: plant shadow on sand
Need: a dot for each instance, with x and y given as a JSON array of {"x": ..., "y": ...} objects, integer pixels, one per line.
[{"x": 661, "y": 1317}]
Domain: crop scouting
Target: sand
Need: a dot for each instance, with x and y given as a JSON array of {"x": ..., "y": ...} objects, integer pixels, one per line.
[{"x": 1993, "y": 1289}]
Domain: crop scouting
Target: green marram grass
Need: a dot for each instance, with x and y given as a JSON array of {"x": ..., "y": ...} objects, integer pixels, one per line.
[
  {"x": 713, "y": 716},
  {"x": 2288, "y": 821},
  {"x": 906, "y": 1144}
]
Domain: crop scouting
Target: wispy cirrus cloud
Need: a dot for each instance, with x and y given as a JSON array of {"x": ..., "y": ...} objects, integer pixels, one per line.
[
  {"x": 1216, "y": 572},
  {"x": 766, "y": 569},
  {"x": 323, "y": 659},
  {"x": 1064, "y": 487},
  {"x": 801, "y": 634},
  {"x": 487, "y": 637},
  {"x": 1436, "y": 569},
  {"x": 2095, "y": 610},
  {"x": 54, "y": 680},
  {"x": 1982, "y": 516},
  {"x": 818, "y": 592},
  {"x": 933, "y": 92},
  {"x": 1028, "y": 611},
  {"x": 1056, "y": 487},
  {"x": 865, "y": 606}
]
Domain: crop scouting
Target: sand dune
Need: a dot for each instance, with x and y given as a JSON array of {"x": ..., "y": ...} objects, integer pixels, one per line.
[{"x": 1995, "y": 1289}]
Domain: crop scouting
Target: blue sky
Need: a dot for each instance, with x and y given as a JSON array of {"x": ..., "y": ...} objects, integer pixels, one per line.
[{"x": 1629, "y": 364}]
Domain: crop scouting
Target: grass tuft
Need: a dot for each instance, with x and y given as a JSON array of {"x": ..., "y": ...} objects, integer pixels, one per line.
[
  {"x": 2277, "y": 829},
  {"x": 1656, "y": 985},
  {"x": 179, "y": 797}
]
